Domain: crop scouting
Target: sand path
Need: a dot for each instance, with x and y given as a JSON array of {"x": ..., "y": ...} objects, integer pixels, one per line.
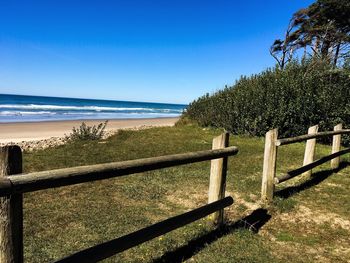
[{"x": 30, "y": 131}]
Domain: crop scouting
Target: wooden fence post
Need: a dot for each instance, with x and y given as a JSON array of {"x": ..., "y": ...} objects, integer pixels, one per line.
[
  {"x": 218, "y": 171},
  {"x": 269, "y": 168},
  {"x": 310, "y": 149},
  {"x": 11, "y": 209},
  {"x": 336, "y": 146}
]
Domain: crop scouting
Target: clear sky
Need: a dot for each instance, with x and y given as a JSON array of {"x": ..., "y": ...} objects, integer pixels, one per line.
[{"x": 161, "y": 51}]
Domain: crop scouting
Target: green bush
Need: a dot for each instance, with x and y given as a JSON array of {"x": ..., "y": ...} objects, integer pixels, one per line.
[
  {"x": 85, "y": 132},
  {"x": 303, "y": 94}
]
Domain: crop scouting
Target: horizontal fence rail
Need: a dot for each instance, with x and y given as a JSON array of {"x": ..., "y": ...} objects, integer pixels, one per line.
[
  {"x": 308, "y": 167},
  {"x": 305, "y": 137},
  {"x": 110, "y": 248},
  {"x": 30, "y": 182}
]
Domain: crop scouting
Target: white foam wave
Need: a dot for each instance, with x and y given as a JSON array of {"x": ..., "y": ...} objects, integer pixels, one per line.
[
  {"x": 81, "y": 108},
  {"x": 19, "y": 113}
]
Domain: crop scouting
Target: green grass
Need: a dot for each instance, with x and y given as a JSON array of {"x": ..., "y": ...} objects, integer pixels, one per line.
[{"x": 61, "y": 221}]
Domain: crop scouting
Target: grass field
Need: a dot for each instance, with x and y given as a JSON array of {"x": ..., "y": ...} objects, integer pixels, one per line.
[{"x": 308, "y": 222}]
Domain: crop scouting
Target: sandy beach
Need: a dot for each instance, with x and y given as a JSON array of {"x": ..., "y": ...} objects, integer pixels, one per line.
[{"x": 31, "y": 131}]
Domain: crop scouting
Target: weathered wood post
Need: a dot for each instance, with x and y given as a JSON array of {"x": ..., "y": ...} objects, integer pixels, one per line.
[
  {"x": 218, "y": 171},
  {"x": 336, "y": 146},
  {"x": 11, "y": 209},
  {"x": 310, "y": 149},
  {"x": 269, "y": 168}
]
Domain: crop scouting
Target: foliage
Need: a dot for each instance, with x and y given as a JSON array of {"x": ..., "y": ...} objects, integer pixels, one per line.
[
  {"x": 302, "y": 95},
  {"x": 85, "y": 132},
  {"x": 185, "y": 121},
  {"x": 322, "y": 28}
]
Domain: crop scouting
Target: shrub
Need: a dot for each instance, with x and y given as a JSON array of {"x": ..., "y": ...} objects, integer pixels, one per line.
[
  {"x": 185, "y": 121},
  {"x": 302, "y": 95},
  {"x": 85, "y": 132}
]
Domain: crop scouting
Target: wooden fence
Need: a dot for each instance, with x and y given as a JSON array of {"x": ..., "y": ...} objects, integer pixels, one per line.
[
  {"x": 13, "y": 183},
  {"x": 269, "y": 179}
]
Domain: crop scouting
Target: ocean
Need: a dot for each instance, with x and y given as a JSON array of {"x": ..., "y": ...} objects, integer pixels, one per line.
[{"x": 18, "y": 108}]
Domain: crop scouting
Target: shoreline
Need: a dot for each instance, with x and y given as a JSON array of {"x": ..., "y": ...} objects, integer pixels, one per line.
[
  {"x": 19, "y": 132},
  {"x": 88, "y": 120}
]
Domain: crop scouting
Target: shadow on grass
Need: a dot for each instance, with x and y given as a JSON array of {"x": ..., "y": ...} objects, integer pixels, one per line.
[
  {"x": 253, "y": 222},
  {"x": 316, "y": 178}
]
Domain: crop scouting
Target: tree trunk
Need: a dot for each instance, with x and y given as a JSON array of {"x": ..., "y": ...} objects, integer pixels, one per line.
[
  {"x": 336, "y": 55},
  {"x": 325, "y": 49}
]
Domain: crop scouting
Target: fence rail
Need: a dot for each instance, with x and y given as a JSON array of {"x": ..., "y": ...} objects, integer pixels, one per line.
[
  {"x": 13, "y": 183},
  {"x": 110, "y": 248},
  {"x": 272, "y": 143},
  {"x": 68, "y": 176},
  {"x": 300, "y": 170},
  {"x": 305, "y": 137}
]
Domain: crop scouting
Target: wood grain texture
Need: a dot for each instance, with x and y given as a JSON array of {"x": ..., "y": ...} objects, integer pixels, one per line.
[
  {"x": 217, "y": 180},
  {"x": 75, "y": 175},
  {"x": 336, "y": 146},
  {"x": 301, "y": 138},
  {"x": 269, "y": 166},
  {"x": 309, "y": 166},
  {"x": 11, "y": 208},
  {"x": 310, "y": 149}
]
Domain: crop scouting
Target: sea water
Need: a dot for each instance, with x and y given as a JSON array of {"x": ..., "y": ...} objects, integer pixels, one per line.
[{"x": 19, "y": 108}]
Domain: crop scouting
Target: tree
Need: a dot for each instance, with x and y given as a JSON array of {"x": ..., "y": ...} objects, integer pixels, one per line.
[
  {"x": 322, "y": 28},
  {"x": 282, "y": 50}
]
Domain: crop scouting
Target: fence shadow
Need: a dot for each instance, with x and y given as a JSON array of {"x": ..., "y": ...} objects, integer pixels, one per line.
[
  {"x": 253, "y": 222},
  {"x": 316, "y": 178}
]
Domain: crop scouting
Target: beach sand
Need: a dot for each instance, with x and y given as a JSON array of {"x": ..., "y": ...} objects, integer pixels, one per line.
[{"x": 31, "y": 131}]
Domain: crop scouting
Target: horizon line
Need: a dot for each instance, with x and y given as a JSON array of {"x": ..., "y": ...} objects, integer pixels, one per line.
[{"x": 114, "y": 100}]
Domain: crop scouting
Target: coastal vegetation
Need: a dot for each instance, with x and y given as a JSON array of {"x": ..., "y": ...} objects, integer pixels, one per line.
[
  {"x": 86, "y": 132},
  {"x": 301, "y": 95},
  {"x": 309, "y": 85},
  {"x": 61, "y": 221}
]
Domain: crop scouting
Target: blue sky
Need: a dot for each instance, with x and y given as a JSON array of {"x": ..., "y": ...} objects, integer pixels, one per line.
[{"x": 158, "y": 51}]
